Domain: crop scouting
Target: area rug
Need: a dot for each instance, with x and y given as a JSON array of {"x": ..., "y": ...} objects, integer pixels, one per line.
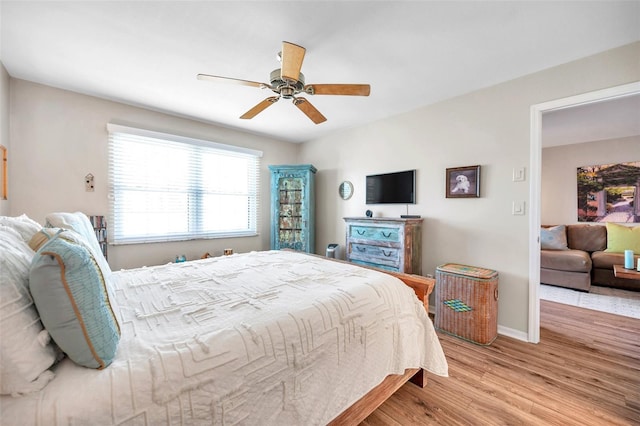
[{"x": 614, "y": 301}]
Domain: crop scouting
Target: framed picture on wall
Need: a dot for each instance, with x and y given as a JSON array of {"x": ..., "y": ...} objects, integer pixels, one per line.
[
  {"x": 609, "y": 193},
  {"x": 463, "y": 182}
]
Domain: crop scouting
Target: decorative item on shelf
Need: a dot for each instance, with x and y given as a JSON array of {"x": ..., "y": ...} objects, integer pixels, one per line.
[
  {"x": 100, "y": 228},
  {"x": 228, "y": 252},
  {"x": 369, "y": 213},
  {"x": 628, "y": 259},
  {"x": 181, "y": 258},
  {"x": 345, "y": 190},
  {"x": 463, "y": 182}
]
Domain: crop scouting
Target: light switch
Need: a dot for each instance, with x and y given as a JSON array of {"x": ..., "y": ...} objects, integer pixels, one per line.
[
  {"x": 519, "y": 174},
  {"x": 518, "y": 208}
]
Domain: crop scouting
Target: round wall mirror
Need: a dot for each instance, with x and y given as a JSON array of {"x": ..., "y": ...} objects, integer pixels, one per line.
[{"x": 345, "y": 190}]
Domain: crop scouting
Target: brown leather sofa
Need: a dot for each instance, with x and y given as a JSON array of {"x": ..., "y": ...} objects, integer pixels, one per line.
[{"x": 585, "y": 262}]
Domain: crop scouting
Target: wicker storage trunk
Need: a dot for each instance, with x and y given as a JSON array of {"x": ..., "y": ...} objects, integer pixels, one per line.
[{"x": 467, "y": 302}]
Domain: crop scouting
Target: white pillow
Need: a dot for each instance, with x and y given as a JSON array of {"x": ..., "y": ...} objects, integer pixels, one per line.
[
  {"x": 25, "y": 226},
  {"x": 79, "y": 222},
  {"x": 25, "y": 349}
]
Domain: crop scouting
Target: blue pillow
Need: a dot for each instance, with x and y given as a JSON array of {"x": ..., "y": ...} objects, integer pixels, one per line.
[
  {"x": 72, "y": 297},
  {"x": 554, "y": 238}
]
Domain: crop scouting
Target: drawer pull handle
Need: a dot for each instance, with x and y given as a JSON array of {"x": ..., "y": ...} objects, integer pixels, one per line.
[
  {"x": 387, "y": 254},
  {"x": 361, "y": 249},
  {"x": 385, "y": 235},
  {"x": 360, "y": 232}
]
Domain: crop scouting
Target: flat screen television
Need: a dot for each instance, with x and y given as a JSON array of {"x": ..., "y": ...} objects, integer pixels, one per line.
[{"x": 392, "y": 188}]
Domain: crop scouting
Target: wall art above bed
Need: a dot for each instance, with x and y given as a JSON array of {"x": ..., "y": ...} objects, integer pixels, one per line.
[{"x": 609, "y": 193}]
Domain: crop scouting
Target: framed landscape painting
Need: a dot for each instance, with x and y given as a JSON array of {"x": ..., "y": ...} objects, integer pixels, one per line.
[{"x": 609, "y": 193}]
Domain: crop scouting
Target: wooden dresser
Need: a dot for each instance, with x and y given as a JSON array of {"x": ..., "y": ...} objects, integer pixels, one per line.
[{"x": 387, "y": 243}]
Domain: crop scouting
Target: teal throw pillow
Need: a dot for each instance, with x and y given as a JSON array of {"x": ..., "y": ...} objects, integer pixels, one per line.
[{"x": 72, "y": 297}]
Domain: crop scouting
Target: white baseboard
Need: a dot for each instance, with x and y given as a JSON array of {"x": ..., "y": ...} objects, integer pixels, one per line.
[{"x": 513, "y": 333}]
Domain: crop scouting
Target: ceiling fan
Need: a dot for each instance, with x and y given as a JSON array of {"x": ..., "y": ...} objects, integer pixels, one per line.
[{"x": 288, "y": 82}]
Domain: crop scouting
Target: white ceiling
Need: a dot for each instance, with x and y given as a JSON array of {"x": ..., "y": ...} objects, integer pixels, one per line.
[
  {"x": 412, "y": 53},
  {"x": 597, "y": 121}
]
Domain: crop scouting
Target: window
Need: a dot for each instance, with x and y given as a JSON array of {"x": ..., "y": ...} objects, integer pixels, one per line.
[{"x": 170, "y": 188}]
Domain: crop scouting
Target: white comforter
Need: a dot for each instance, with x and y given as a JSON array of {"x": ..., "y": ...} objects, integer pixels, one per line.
[{"x": 260, "y": 338}]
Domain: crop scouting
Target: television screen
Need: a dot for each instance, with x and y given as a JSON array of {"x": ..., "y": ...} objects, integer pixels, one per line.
[{"x": 392, "y": 188}]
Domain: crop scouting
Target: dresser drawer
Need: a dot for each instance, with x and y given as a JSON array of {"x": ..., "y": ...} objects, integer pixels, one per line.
[
  {"x": 376, "y": 265},
  {"x": 375, "y": 254},
  {"x": 375, "y": 233}
]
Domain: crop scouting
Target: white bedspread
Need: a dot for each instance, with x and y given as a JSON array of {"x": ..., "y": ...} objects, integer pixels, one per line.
[{"x": 260, "y": 338}]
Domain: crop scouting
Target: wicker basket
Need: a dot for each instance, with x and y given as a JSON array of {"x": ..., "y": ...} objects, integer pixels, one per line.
[{"x": 467, "y": 302}]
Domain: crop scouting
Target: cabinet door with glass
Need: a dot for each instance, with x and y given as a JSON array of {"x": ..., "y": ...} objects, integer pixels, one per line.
[{"x": 293, "y": 207}]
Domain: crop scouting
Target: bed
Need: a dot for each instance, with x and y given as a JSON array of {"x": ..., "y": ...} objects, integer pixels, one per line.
[{"x": 273, "y": 337}]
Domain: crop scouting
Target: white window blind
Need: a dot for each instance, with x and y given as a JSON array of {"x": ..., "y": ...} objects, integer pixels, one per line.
[{"x": 168, "y": 188}]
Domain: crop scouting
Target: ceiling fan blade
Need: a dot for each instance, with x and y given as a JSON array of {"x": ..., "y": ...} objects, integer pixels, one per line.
[
  {"x": 338, "y": 89},
  {"x": 311, "y": 111},
  {"x": 227, "y": 80},
  {"x": 292, "y": 57},
  {"x": 259, "y": 108}
]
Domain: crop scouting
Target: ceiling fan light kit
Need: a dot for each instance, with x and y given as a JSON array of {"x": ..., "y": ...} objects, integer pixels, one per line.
[{"x": 288, "y": 82}]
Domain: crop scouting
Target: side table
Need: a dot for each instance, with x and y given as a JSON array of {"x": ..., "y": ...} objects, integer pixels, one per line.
[{"x": 619, "y": 271}]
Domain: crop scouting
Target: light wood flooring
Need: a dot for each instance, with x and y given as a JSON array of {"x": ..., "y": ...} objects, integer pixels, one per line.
[{"x": 584, "y": 371}]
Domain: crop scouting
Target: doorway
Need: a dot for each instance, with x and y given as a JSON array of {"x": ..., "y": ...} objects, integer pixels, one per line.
[{"x": 535, "y": 184}]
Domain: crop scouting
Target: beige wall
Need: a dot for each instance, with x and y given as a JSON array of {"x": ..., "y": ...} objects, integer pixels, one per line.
[
  {"x": 490, "y": 127},
  {"x": 58, "y": 137},
  {"x": 559, "y": 201},
  {"x": 4, "y": 126}
]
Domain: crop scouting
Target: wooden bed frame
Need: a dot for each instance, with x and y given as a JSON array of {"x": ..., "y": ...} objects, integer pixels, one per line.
[{"x": 366, "y": 405}]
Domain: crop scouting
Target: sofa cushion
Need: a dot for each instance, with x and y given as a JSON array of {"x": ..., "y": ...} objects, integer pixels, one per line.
[
  {"x": 621, "y": 238},
  {"x": 565, "y": 260},
  {"x": 587, "y": 237},
  {"x": 554, "y": 238},
  {"x": 574, "y": 280},
  {"x": 606, "y": 260}
]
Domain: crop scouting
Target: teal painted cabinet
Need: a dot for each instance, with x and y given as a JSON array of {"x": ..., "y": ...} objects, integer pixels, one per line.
[{"x": 293, "y": 207}]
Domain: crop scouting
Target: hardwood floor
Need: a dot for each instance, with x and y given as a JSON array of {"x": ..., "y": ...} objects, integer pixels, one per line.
[{"x": 584, "y": 371}]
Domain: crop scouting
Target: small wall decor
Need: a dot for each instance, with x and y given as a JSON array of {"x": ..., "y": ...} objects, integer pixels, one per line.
[
  {"x": 463, "y": 182},
  {"x": 609, "y": 193},
  {"x": 345, "y": 190}
]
